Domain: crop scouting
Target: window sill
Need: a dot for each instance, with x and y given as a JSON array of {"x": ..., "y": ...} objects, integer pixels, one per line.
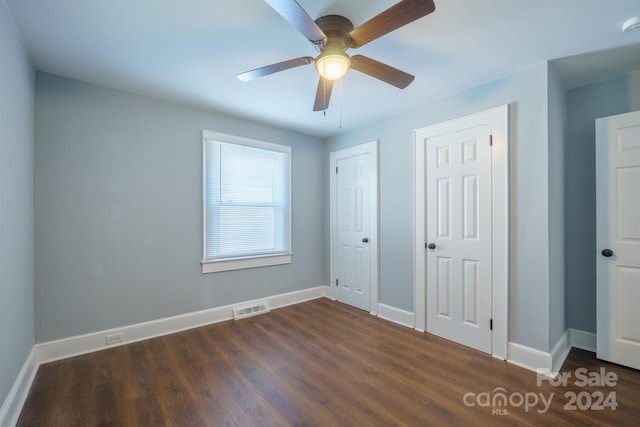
[{"x": 243, "y": 263}]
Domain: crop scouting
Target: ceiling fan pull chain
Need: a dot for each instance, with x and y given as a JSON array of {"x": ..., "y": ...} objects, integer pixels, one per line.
[
  {"x": 324, "y": 95},
  {"x": 340, "y": 95}
]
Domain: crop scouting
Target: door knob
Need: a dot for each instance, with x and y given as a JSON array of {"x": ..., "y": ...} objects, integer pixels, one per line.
[
  {"x": 431, "y": 246},
  {"x": 365, "y": 240},
  {"x": 607, "y": 252}
]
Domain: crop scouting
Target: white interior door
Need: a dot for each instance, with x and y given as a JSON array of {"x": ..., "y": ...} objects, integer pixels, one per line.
[
  {"x": 458, "y": 208},
  {"x": 353, "y": 230},
  {"x": 471, "y": 166},
  {"x": 618, "y": 238}
]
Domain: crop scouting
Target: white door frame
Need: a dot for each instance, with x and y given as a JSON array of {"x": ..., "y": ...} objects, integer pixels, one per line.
[
  {"x": 498, "y": 118},
  {"x": 334, "y": 156},
  {"x": 612, "y": 157}
]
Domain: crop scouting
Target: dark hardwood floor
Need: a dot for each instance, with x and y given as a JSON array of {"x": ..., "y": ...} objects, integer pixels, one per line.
[{"x": 318, "y": 363}]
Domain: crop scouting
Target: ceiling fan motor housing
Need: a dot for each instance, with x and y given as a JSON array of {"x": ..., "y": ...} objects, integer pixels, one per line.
[
  {"x": 333, "y": 61},
  {"x": 336, "y": 28}
]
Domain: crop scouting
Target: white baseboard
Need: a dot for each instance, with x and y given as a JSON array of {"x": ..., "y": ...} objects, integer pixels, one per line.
[
  {"x": 517, "y": 354},
  {"x": 560, "y": 351},
  {"x": 582, "y": 340},
  {"x": 12, "y": 406},
  {"x": 551, "y": 363},
  {"x": 87, "y": 343},
  {"x": 529, "y": 358},
  {"x": 395, "y": 315}
]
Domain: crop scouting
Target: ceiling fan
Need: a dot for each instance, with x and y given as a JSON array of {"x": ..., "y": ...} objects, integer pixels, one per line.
[{"x": 333, "y": 35}]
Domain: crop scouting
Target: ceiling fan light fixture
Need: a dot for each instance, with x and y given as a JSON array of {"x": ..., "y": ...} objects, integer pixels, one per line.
[
  {"x": 632, "y": 24},
  {"x": 333, "y": 66}
]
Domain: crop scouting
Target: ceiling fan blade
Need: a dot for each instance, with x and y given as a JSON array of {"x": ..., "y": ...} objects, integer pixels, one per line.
[
  {"x": 274, "y": 68},
  {"x": 380, "y": 71},
  {"x": 296, "y": 15},
  {"x": 398, "y": 15},
  {"x": 323, "y": 94}
]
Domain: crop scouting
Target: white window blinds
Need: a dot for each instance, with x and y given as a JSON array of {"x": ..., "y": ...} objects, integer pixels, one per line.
[{"x": 246, "y": 198}]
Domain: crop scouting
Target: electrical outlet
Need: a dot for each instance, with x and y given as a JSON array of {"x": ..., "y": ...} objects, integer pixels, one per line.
[{"x": 115, "y": 338}]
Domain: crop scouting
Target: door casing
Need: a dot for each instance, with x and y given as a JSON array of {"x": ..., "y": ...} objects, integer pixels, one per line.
[
  {"x": 616, "y": 325},
  {"x": 372, "y": 149},
  {"x": 498, "y": 118}
]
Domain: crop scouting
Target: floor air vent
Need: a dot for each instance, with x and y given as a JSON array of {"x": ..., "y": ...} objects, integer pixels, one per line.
[{"x": 250, "y": 310}]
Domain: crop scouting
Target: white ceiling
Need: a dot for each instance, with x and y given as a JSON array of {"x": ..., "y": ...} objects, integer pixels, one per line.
[{"x": 189, "y": 51}]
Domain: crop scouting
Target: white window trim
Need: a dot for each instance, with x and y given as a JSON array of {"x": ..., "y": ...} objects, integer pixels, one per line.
[
  {"x": 239, "y": 263},
  {"x": 242, "y": 263}
]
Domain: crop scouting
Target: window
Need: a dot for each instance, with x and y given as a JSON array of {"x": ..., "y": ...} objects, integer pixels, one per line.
[{"x": 247, "y": 209}]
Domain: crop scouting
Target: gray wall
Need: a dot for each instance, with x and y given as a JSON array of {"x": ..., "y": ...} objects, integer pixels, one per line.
[
  {"x": 119, "y": 211},
  {"x": 16, "y": 204},
  {"x": 529, "y": 253},
  {"x": 586, "y": 104},
  {"x": 557, "y": 97}
]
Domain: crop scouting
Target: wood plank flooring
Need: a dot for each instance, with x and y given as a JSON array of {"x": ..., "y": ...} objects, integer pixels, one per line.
[{"x": 319, "y": 363}]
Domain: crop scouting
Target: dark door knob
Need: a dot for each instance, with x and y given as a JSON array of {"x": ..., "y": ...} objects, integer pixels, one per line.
[
  {"x": 431, "y": 246},
  {"x": 607, "y": 252},
  {"x": 365, "y": 240}
]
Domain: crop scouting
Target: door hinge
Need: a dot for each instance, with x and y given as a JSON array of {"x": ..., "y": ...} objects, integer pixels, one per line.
[
  {"x": 336, "y": 282},
  {"x": 490, "y": 139},
  {"x": 491, "y": 324},
  {"x": 336, "y": 169}
]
